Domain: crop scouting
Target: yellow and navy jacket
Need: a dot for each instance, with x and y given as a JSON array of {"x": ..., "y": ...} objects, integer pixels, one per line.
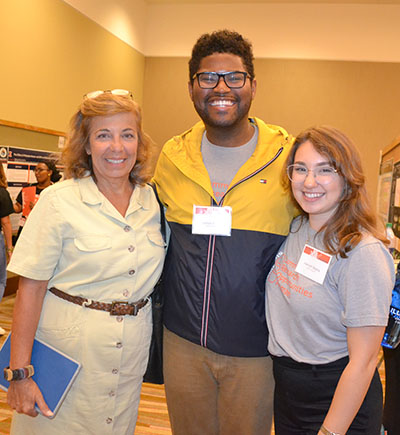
[{"x": 215, "y": 285}]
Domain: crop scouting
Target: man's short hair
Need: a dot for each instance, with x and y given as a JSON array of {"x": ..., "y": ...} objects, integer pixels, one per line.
[{"x": 221, "y": 41}]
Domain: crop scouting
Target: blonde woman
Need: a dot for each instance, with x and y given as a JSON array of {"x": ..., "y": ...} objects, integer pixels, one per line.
[{"x": 101, "y": 243}]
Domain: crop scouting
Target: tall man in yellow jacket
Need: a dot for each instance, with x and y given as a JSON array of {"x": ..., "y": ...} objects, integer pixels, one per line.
[{"x": 228, "y": 214}]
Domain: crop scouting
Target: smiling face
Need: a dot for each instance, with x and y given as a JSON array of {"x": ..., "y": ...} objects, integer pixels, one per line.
[
  {"x": 319, "y": 201},
  {"x": 222, "y": 107},
  {"x": 113, "y": 143}
]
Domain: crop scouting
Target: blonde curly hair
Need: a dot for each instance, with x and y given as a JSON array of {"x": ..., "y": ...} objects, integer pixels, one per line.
[{"x": 77, "y": 163}]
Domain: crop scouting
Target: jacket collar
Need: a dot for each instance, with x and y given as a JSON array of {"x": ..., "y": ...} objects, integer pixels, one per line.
[{"x": 185, "y": 152}]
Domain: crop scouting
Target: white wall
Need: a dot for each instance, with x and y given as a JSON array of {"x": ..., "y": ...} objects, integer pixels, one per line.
[{"x": 328, "y": 31}]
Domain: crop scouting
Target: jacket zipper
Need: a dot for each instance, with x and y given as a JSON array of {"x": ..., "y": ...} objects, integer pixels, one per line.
[{"x": 210, "y": 257}]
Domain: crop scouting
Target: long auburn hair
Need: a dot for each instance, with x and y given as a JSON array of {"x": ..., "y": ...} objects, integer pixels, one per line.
[
  {"x": 77, "y": 162},
  {"x": 354, "y": 215}
]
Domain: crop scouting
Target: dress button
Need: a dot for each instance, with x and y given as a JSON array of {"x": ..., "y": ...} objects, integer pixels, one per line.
[
  {"x": 131, "y": 248},
  {"x": 111, "y": 393},
  {"x": 109, "y": 420},
  {"x": 127, "y": 228},
  {"x": 119, "y": 319},
  {"x": 114, "y": 371},
  {"x": 118, "y": 345},
  {"x": 132, "y": 272},
  {"x": 125, "y": 293}
]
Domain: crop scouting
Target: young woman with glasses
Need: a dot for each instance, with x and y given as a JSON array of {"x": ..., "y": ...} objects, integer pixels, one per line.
[
  {"x": 328, "y": 295},
  {"x": 95, "y": 254}
]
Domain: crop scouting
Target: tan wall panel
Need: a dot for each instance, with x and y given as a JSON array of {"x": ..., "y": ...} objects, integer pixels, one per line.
[
  {"x": 167, "y": 105},
  {"x": 19, "y": 137},
  {"x": 361, "y": 98},
  {"x": 51, "y": 55}
]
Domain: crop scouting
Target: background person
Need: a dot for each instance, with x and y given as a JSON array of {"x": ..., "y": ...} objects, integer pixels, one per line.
[
  {"x": 101, "y": 242},
  {"x": 46, "y": 174},
  {"x": 217, "y": 372},
  {"x": 328, "y": 295},
  {"x": 391, "y": 414},
  {"x": 6, "y": 247}
]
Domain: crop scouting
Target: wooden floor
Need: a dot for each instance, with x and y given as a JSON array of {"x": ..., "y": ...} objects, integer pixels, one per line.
[{"x": 153, "y": 415}]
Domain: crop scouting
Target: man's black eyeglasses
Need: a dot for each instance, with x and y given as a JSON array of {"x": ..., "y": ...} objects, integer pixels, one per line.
[{"x": 232, "y": 79}]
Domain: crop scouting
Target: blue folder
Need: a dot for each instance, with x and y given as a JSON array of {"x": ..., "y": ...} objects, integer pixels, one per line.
[{"x": 54, "y": 371}]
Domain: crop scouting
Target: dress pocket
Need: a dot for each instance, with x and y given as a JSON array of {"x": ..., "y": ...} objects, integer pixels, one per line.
[
  {"x": 95, "y": 242},
  {"x": 63, "y": 330},
  {"x": 156, "y": 238}
]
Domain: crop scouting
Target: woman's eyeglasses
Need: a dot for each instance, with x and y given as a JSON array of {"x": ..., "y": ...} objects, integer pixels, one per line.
[
  {"x": 322, "y": 174},
  {"x": 120, "y": 92}
]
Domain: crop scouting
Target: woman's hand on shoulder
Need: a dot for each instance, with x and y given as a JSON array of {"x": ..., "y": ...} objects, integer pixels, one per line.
[{"x": 24, "y": 395}]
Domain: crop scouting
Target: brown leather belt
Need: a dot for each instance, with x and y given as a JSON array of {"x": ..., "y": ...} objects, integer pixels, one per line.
[{"x": 115, "y": 308}]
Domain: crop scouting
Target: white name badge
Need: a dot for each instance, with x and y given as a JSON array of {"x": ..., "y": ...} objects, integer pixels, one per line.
[
  {"x": 212, "y": 220},
  {"x": 313, "y": 264}
]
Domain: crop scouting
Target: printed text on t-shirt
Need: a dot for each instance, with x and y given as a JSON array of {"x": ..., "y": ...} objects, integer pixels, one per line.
[
  {"x": 219, "y": 189},
  {"x": 285, "y": 276}
]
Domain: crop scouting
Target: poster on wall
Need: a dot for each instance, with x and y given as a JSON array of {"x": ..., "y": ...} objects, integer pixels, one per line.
[
  {"x": 19, "y": 165},
  {"x": 384, "y": 192}
]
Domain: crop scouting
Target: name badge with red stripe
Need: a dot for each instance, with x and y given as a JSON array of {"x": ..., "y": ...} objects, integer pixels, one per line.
[
  {"x": 313, "y": 264},
  {"x": 212, "y": 220}
]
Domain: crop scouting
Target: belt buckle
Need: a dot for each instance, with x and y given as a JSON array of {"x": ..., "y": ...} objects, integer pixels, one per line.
[{"x": 116, "y": 305}]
